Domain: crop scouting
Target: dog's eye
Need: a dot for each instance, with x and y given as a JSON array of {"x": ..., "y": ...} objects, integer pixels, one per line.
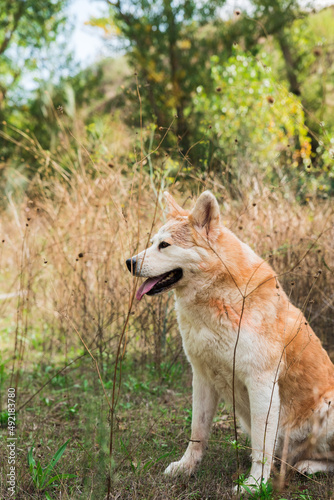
[{"x": 163, "y": 244}]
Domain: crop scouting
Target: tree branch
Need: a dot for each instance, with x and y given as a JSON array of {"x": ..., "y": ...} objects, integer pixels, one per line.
[{"x": 9, "y": 34}]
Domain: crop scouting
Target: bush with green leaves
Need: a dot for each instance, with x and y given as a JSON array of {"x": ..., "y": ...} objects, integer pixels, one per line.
[
  {"x": 43, "y": 477},
  {"x": 253, "y": 124}
]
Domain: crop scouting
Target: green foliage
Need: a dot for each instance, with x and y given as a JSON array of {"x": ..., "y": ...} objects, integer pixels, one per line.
[
  {"x": 134, "y": 385},
  {"x": 168, "y": 45},
  {"x": 3, "y": 372},
  {"x": 4, "y": 419},
  {"x": 53, "y": 103},
  {"x": 30, "y": 47},
  {"x": 273, "y": 126},
  {"x": 305, "y": 496},
  {"x": 257, "y": 490},
  {"x": 26, "y": 27},
  {"x": 235, "y": 444},
  {"x": 138, "y": 466},
  {"x": 71, "y": 410},
  {"x": 303, "y": 54},
  {"x": 313, "y": 42},
  {"x": 276, "y": 14},
  {"x": 42, "y": 477},
  {"x": 189, "y": 416},
  {"x": 253, "y": 124},
  {"x": 3, "y": 378}
]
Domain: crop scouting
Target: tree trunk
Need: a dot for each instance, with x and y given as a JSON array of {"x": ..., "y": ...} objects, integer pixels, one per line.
[
  {"x": 294, "y": 86},
  {"x": 181, "y": 127}
]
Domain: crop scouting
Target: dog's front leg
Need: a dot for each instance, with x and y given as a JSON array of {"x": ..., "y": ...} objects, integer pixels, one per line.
[
  {"x": 205, "y": 402},
  {"x": 264, "y": 407}
]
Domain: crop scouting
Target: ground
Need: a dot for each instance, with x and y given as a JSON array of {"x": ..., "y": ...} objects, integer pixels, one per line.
[{"x": 151, "y": 429}]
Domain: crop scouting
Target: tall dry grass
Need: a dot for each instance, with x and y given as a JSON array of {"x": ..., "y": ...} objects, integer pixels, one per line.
[
  {"x": 64, "y": 284},
  {"x": 66, "y": 255},
  {"x": 64, "y": 246}
]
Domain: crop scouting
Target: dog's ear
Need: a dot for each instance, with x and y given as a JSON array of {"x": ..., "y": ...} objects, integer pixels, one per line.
[
  {"x": 205, "y": 215},
  {"x": 173, "y": 208}
]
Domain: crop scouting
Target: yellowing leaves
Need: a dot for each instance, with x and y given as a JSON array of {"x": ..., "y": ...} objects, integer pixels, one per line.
[
  {"x": 157, "y": 77},
  {"x": 154, "y": 75},
  {"x": 184, "y": 44},
  {"x": 104, "y": 23},
  {"x": 306, "y": 149}
]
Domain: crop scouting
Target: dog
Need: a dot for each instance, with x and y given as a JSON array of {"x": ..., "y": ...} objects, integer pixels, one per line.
[{"x": 246, "y": 343}]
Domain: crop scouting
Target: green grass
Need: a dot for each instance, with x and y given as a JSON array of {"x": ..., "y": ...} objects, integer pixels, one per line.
[
  {"x": 152, "y": 428},
  {"x": 43, "y": 477}
]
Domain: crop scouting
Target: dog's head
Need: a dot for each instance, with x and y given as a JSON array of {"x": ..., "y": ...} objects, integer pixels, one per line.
[{"x": 179, "y": 248}]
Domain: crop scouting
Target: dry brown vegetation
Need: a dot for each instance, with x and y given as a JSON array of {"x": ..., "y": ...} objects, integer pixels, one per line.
[{"x": 62, "y": 255}]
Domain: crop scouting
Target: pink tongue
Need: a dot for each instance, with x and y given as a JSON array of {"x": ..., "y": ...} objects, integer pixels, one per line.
[{"x": 148, "y": 285}]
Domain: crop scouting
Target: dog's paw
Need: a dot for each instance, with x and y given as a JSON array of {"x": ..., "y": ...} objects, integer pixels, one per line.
[
  {"x": 313, "y": 466},
  {"x": 179, "y": 467},
  {"x": 304, "y": 467}
]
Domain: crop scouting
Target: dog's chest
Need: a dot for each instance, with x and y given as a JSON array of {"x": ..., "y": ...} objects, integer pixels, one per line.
[{"x": 210, "y": 345}]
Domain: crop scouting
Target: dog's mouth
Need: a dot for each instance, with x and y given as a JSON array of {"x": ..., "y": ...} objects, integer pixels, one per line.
[{"x": 158, "y": 284}]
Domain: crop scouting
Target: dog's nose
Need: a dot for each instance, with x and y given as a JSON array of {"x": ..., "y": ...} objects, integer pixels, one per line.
[{"x": 131, "y": 265}]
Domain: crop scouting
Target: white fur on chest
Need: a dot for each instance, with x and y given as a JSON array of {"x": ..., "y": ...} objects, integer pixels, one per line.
[
  {"x": 210, "y": 348},
  {"x": 205, "y": 338}
]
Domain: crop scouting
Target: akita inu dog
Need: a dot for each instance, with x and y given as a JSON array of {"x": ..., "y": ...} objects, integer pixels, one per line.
[{"x": 238, "y": 324}]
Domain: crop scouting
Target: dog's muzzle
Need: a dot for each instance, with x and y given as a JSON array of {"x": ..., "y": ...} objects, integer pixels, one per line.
[{"x": 131, "y": 265}]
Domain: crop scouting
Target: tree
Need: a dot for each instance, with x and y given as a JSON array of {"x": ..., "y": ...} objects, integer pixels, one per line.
[
  {"x": 282, "y": 20},
  {"x": 26, "y": 27},
  {"x": 168, "y": 44},
  {"x": 257, "y": 128}
]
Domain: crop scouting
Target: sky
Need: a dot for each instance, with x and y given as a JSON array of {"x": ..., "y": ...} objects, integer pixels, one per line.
[
  {"x": 86, "y": 41},
  {"x": 88, "y": 44}
]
